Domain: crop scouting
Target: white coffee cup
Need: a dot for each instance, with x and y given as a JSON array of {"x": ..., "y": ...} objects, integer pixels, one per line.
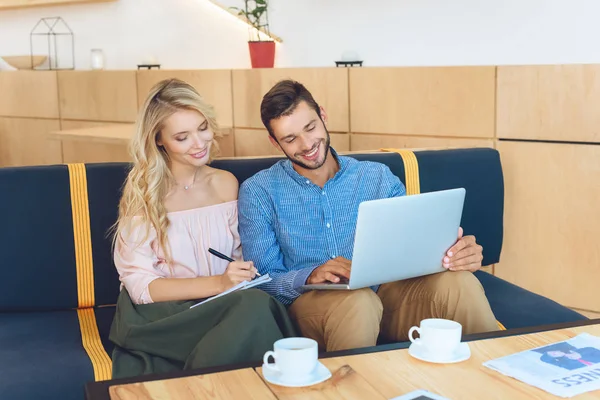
[
  {"x": 295, "y": 358},
  {"x": 440, "y": 337}
]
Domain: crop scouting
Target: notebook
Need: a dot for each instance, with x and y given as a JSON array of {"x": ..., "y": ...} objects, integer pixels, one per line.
[{"x": 240, "y": 286}]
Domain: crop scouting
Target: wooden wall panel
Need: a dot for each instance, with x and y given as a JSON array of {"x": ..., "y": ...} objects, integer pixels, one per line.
[
  {"x": 24, "y": 141},
  {"x": 92, "y": 152},
  {"x": 329, "y": 87},
  {"x": 213, "y": 85},
  {"x": 553, "y": 102},
  {"x": 551, "y": 221},
  {"x": 227, "y": 144},
  {"x": 434, "y": 101},
  {"x": 28, "y": 94},
  {"x": 98, "y": 95},
  {"x": 360, "y": 142},
  {"x": 255, "y": 142}
]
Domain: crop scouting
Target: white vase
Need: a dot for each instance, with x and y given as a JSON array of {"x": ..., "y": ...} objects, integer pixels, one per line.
[{"x": 97, "y": 59}]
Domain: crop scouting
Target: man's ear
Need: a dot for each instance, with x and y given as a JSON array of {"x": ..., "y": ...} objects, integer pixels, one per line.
[
  {"x": 274, "y": 143},
  {"x": 323, "y": 115}
]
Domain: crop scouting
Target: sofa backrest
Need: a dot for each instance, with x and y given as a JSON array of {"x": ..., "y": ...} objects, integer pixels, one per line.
[{"x": 56, "y": 251}]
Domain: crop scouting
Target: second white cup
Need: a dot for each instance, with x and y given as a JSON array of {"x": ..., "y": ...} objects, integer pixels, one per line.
[
  {"x": 295, "y": 358},
  {"x": 440, "y": 337}
]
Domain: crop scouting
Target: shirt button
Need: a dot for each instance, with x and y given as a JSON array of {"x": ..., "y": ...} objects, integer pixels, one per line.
[
  {"x": 307, "y": 181},
  {"x": 323, "y": 193},
  {"x": 333, "y": 256},
  {"x": 328, "y": 225}
]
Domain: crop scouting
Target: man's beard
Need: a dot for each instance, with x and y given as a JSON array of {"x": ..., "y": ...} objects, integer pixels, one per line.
[{"x": 326, "y": 144}]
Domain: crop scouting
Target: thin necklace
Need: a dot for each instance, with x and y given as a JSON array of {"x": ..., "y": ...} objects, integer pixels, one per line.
[{"x": 186, "y": 187}]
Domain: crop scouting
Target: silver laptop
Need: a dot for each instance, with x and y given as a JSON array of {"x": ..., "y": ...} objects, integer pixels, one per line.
[{"x": 401, "y": 238}]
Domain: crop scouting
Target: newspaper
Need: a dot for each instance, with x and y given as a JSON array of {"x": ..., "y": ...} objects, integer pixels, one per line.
[{"x": 564, "y": 369}]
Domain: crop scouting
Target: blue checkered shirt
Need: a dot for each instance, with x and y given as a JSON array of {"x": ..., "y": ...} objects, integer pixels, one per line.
[{"x": 290, "y": 226}]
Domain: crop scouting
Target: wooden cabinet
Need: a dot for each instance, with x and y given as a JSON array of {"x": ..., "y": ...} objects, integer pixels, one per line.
[
  {"x": 28, "y": 94},
  {"x": 549, "y": 102},
  {"x": 551, "y": 232},
  {"x": 109, "y": 96},
  {"x": 25, "y": 141},
  {"x": 432, "y": 101}
]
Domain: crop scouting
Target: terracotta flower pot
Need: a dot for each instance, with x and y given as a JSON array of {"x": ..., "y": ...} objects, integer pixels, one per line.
[{"x": 262, "y": 54}]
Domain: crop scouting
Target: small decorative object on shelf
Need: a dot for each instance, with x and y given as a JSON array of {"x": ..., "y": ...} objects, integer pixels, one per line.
[
  {"x": 148, "y": 66},
  {"x": 349, "y": 59},
  {"x": 97, "y": 59},
  {"x": 54, "y": 35}
]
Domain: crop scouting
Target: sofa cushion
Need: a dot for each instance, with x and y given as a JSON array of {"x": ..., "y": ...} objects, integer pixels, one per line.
[
  {"x": 38, "y": 255},
  {"x": 42, "y": 356},
  {"x": 105, "y": 183},
  {"x": 515, "y": 307},
  {"x": 479, "y": 171}
]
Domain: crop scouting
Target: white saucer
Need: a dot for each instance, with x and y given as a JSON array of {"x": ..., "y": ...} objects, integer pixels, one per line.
[
  {"x": 420, "y": 352},
  {"x": 320, "y": 374}
]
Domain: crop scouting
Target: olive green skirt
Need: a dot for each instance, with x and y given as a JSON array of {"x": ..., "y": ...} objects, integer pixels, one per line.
[{"x": 169, "y": 336}]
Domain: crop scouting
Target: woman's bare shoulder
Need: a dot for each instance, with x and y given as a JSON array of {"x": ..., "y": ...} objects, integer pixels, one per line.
[{"x": 224, "y": 183}]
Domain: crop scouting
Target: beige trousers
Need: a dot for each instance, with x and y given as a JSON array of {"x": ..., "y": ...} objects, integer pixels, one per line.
[{"x": 340, "y": 320}]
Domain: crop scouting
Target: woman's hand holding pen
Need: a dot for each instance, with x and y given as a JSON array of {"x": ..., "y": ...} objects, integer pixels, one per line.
[{"x": 237, "y": 272}]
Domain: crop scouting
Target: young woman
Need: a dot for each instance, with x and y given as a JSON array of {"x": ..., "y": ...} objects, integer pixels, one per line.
[{"x": 173, "y": 209}]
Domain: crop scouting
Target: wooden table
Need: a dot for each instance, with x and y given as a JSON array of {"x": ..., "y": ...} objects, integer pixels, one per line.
[{"x": 379, "y": 373}]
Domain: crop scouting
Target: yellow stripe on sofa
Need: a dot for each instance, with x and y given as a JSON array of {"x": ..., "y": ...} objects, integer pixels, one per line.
[
  {"x": 411, "y": 170},
  {"x": 82, "y": 235},
  {"x": 93, "y": 345},
  {"x": 413, "y": 182}
]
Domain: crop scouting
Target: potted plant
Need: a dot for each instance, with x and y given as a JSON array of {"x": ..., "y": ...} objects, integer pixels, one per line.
[{"x": 261, "y": 45}]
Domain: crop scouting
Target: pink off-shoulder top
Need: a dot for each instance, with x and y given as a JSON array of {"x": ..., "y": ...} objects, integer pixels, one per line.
[{"x": 190, "y": 234}]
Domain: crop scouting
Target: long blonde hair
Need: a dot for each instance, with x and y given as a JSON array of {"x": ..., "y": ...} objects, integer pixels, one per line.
[{"x": 150, "y": 178}]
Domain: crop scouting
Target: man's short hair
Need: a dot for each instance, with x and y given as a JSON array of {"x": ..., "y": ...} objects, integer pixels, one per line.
[{"x": 282, "y": 100}]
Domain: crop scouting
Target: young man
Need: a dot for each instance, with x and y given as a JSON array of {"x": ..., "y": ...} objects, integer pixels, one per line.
[{"x": 297, "y": 222}]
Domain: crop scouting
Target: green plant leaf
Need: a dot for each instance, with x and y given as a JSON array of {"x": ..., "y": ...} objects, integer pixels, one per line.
[{"x": 258, "y": 11}]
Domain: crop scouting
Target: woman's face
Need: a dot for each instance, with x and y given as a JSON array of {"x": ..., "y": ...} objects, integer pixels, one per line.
[{"x": 187, "y": 138}]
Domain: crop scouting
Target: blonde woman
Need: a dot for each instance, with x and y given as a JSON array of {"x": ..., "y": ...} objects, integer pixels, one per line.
[{"x": 174, "y": 208}]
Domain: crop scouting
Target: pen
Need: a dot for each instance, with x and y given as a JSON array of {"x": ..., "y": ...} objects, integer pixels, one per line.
[{"x": 224, "y": 257}]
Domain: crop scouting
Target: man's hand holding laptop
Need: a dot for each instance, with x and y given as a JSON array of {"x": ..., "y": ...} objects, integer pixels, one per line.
[{"x": 465, "y": 255}]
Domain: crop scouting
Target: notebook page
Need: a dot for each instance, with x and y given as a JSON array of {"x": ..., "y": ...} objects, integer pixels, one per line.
[{"x": 240, "y": 286}]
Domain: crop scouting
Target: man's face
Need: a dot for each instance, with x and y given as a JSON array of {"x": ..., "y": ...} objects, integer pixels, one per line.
[{"x": 302, "y": 136}]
